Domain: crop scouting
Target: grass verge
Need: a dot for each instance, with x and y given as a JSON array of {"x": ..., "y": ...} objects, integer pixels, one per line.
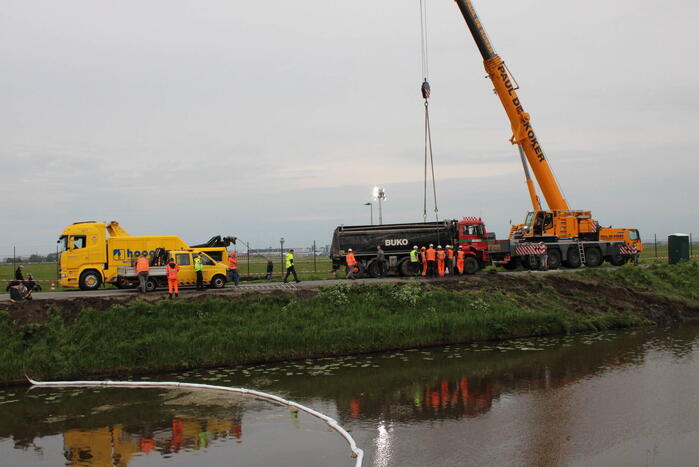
[{"x": 148, "y": 337}]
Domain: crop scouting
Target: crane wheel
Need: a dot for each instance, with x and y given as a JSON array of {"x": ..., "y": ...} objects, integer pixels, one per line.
[
  {"x": 554, "y": 259},
  {"x": 573, "y": 259},
  {"x": 616, "y": 260},
  {"x": 593, "y": 257},
  {"x": 531, "y": 262}
]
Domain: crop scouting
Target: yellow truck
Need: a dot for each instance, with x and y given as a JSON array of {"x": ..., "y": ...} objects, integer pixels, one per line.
[{"x": 91, "y": 253}]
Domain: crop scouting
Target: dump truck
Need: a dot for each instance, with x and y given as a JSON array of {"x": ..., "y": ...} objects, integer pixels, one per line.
[
  {"x": 397, "y": 240},
  {"x": 91, "y": 253},
  {"x": 214, "y": 272}
]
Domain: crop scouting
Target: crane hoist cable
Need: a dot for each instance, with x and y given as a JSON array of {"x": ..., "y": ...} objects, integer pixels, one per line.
[{"x": 425, "y": 89}]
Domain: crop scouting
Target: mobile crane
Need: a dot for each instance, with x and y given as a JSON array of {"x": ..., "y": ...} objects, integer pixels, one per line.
[{"x": 571, "y": 237}]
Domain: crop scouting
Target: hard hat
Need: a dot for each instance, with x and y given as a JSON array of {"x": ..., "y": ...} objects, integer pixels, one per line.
[
  {"x": 423, "y": 248},
  {"x": 431, "y": 245},
  {"x": 350, "y": 249},
  {"x": 439, "y": 246},
  {"x": 414, "y": 247}
]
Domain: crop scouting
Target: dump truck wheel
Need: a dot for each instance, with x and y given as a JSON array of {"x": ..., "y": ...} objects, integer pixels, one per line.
[
  {"x": 573, "y": 259},
  {"x": 554, "y": 259},
  {"x": 593, "y": 257},
  {"x": 359, "y": 270},
  {"x": 373, "y": 270},
  {"x": 471, "y": 265},
  {"x": 404, "y": 267},
  {"x": 218, "y": 281},
  {"x": 90, "y": 280},
  {"x": 512, "y": 264}
]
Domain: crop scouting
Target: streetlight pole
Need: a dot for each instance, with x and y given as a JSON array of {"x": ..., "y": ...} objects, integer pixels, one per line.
[
  {"x": 380, "y": 195},
  {"x": 371, "y": 212}
]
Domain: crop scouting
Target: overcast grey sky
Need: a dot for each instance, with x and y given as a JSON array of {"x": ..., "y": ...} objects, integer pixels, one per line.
[{"x": 276, "y": 118}]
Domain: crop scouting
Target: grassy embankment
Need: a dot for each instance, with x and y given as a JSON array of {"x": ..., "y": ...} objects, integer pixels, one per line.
[{"x": 144, "y": 337}]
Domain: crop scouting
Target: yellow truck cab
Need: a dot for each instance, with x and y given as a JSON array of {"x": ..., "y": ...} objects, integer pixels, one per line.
[
  {"x": 214, "y": 273},
  {"x": 91, "y": 253}
]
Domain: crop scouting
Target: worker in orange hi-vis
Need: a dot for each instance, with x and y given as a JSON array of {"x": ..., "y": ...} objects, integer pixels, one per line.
[
  {"x": 450, "y": 260},
  {"x": 351, "y": 263},
  {"x": 233, "y": 268},
  {"x": 142, "y": 270},
  {"x": 431, "y": 254},
  {"x": 460, "y": 255},
  {"x": 423, "y": 258},
  {"x": 441, "y": 256},
  {"x": 173, "y": 285}
]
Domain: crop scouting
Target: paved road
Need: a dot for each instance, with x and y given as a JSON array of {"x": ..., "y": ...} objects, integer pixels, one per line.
[{"x": 260, "y": 286}]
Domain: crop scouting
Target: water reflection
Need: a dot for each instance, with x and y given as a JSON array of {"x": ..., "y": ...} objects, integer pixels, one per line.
[
  {"x": 147, "y": 423},
  {"x": 415, "y": 407},
  {"x": 116, "y": 445}
]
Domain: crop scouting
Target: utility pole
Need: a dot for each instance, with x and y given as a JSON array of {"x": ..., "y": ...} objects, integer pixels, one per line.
[
  {"x": 315, "y": 267},
  {"x": 247, "y": 245},
  {"x": 655, "y": 243},
  {"x": 281, "y": 241}
]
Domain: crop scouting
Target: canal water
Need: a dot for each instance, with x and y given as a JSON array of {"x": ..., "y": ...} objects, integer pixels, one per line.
[{"x": 614, "y": 398}]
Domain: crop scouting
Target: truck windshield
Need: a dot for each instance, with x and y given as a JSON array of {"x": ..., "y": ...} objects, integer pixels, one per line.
[
  {"x": 633, "y": 234},
  {"x": 473, "y": 230},
  {"x": 62, "y": 243},
  {"x": 530, "y": 219}
]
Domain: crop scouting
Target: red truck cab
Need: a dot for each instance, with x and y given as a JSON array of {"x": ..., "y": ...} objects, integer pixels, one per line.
[{"x": 473, "y": 239}]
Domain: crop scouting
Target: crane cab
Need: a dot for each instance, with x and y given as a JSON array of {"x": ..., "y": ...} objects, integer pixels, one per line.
[{"x": 548, "y": 225}]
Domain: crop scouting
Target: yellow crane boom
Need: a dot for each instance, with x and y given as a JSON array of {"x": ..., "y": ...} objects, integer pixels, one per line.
[{"x": 523, "y": 133}]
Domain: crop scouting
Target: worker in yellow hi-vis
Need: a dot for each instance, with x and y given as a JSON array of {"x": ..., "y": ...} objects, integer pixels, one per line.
[
  {"x": 199, "y": 269},
  {"x": 289, "y": 265}
]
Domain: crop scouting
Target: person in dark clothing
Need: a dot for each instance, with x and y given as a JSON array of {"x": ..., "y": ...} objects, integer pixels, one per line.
[
  {"x": 18, "y": 273},
  {"x": 381, "y": 260},
  {"x": 270, "y": 269}
]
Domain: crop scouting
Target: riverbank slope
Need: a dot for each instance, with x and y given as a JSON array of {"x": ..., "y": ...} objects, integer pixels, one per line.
[{"x": 91, "y": 337}]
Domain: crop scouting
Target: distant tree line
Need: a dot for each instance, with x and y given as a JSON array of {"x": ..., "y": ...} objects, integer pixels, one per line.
[{"x": 50, "y": 258}]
